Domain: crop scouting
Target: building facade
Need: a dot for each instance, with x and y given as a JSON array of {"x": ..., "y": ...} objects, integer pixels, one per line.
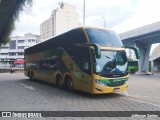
[
  {"x": 62, "y": 19},
  {"x": 46, "y": 29},
  {"x": 15, "y": 48},
  {"x": 155, "y": 59},
  {"x": 132, "y": 54}
]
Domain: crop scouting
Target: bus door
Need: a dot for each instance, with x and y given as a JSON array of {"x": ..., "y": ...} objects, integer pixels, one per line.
[{"x": 85, "y": 75}]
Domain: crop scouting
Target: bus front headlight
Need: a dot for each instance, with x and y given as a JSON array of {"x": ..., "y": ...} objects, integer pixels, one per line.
[{"x": 101, "y": 83}]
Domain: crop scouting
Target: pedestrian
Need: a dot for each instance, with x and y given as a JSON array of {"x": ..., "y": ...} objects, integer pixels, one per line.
[{"x": 12, "y": 70}]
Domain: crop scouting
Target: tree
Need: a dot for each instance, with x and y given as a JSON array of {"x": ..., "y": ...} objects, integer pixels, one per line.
[{"x": 10, "y": 13}]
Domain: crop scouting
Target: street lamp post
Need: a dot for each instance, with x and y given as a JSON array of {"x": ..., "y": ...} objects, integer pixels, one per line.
[
  {"x": 61, "y": 5},
  {"x": 104, "y": 22},
  {"x": 84, "y": 13}
]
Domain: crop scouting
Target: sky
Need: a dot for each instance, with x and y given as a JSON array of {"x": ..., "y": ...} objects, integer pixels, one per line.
[{"x": 119, "y": 15}]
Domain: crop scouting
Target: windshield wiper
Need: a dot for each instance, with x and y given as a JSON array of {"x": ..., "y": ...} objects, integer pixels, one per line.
[{"x": 108, "y": 57}]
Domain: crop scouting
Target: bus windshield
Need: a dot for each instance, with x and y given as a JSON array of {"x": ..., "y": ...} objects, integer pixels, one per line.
[
  {"x": 111, "y": 62},
  {"x": 104, "y": 37}
]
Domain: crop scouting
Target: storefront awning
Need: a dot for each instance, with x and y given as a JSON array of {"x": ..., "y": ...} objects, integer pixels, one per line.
[{"x": 18, "y": 62}]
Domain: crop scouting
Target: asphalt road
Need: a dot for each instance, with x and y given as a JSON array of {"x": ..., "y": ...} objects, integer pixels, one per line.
[{"x": 17, "y": 93}]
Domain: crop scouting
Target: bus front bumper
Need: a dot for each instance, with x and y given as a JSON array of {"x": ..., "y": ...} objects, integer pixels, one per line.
[{"x": 106, "y": 89}]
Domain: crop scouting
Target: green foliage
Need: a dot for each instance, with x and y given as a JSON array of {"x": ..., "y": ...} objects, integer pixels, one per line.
[{"x": 10, "y": 26}]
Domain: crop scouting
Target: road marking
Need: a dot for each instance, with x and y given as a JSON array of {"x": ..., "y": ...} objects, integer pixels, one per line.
[
  {"x": 28, "y": 87},
  {"x": 140, "y": 96},
  {"x": 142, "y": 101},
  {"x": 146, "y": 97}
]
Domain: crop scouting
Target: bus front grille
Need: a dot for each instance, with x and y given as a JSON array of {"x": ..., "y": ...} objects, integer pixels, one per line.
[{"x": 115, "y": 84}]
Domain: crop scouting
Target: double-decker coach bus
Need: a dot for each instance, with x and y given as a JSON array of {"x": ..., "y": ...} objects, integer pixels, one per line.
[{"x": 88, "y": 59}]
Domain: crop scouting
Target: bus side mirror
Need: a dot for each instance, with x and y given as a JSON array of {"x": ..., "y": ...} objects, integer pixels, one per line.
[
  {"x": 95, "y": 46},
  {"x": 135, "y": 50}
]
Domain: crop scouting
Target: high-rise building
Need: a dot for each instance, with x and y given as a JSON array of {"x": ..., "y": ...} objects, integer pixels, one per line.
[
  {"x": 46, "y": 29},
  {"x": 62, "y": 19},
  {"x": 132, "y": 54}
]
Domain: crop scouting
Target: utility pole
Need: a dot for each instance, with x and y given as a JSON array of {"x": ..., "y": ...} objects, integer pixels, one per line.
[
  {"x": 84, "y": 13},
  {"x": 104, "y": 22}
]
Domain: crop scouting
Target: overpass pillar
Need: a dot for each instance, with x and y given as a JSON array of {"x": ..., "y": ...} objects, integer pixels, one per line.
[{"x": 144, "y": 51}]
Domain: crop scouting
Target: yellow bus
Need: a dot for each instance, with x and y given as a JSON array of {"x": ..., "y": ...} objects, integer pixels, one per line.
[{"x": 88, "y": 59}]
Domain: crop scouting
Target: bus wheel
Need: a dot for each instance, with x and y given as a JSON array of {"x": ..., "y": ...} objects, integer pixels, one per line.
[
  {"x": 29, "y": 74},
  {"x": 59, "y": 81},
  {"x": 32, "y": 76},
  {"x": 69, "y": 84}
]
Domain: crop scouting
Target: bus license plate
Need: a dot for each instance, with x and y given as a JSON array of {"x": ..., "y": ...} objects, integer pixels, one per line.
[{"x": 116, "y": 89}]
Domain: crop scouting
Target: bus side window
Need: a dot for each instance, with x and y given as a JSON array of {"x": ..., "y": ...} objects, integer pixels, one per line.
[
  {"x": 85, "y": 64},
  {"x": 43, "y": 64},
  {"x": 52, "y": 64}
]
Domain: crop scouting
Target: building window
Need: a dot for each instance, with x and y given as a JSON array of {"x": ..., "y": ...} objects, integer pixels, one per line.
[
  {"x": 4, "y": 47},
  {"x": 33, "y": 40},
  {"x": 20, "y": 54},
  {"x": 20, "y": 41},
  {"x": 12, "y": 54},
  {"x": 4, "y": 53},
  {"x": 12, "y": 44},
  {"x": 20, "y": 47}
]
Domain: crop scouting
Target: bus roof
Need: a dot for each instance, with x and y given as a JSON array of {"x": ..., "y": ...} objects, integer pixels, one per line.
[
  {"x": 82, "y": 27},
  {"x": 111, "y": 48},
  {"x": 58, "y": 39}
]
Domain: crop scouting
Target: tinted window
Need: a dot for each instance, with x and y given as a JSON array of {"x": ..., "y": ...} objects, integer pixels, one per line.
[
  {"x": 104, "y": 37},
  {"x": 81, "y": 57}
]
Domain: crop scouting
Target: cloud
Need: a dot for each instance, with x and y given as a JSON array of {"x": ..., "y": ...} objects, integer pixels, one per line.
[
  {"x": 120, "y": 15},
  {"x": 30, "y": 20},
  {"x": 114, "y": 12},
  {"x": 146, "y": 12},
  {"x": 113, "y": 16}
]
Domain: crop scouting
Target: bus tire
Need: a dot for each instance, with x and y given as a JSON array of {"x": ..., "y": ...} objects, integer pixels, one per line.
[
  {"x": 69, "y": 83},
  {"x": 29, "y": 75},
  {"x": 32, "y": 76},
  {"x": 59, "y": 81}
]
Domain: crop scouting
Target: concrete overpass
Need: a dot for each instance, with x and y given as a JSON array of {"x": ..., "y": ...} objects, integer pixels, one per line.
[
  {"x": 155, "y": 58},
  {"x": 142, "y": 38}
]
